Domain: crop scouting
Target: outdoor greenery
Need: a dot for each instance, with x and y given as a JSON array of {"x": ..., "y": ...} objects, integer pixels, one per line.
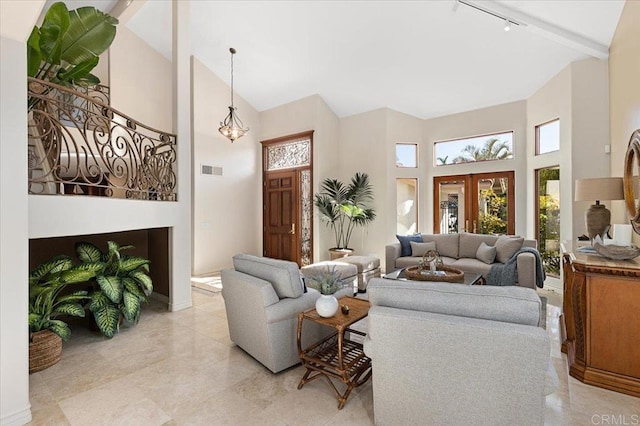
[
  {"x": 343, "y": 207},
  {"x": 121, "y": 285},
  {"x": 493, "y": 149},
  {"x": 46, "y": 304},
  {"x": 494, "y": 220},
  {"x": 549, "y": 223}
]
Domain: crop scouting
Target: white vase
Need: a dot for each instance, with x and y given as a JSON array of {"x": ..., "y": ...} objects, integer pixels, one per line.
[{"x": 327, "y": 305}]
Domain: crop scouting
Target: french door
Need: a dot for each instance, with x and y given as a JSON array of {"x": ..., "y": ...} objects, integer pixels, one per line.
[{"x": 481, "y": 203}]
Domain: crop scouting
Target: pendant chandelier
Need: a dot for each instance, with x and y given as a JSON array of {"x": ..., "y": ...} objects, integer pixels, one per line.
[{"x": 232, "y": 127}]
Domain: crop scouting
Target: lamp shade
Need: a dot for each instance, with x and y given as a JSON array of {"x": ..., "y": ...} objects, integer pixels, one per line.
[{"x": 596, "y": 189}]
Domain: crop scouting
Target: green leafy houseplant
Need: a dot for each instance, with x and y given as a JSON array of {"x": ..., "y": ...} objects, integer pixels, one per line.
[
  {"x": 326, "y": 282},
  {"x": 121, "y": 285},
  {"x": 46, "y": 283},
  {"x": 66, "y": 48},
  {"x": 343, "y": 207}
]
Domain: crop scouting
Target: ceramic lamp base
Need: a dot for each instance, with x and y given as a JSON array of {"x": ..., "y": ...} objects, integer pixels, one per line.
[{"x": 598, "y": 220}]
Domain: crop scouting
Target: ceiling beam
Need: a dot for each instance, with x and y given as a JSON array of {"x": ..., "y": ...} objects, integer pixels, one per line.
[{"x": 543, "y": 28}]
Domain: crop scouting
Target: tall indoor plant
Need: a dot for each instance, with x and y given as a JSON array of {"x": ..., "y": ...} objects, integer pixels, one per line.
[
  {"x": 343, "y": 207},
  {"x": 67, "y": 46}
]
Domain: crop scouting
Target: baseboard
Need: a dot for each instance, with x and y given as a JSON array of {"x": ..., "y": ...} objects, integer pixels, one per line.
[
  {"x": 180, "y": 306},
  {"x": 19, "y": 418}
]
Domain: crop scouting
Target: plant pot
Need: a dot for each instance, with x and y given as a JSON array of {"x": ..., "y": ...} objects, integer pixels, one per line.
[
  {"x": 337, "y": 253},
  {"x": 45, "y": 350},
  {"x": 327, "y": 305}
]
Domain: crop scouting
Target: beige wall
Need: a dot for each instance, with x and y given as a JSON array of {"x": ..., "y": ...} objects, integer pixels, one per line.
[
  {"x": 551, "y": 101},
  {"x": 589, "y": 134},
  {"x": 500, "y": 118},
  {"x": 624, "y": 86},
  {"x": 226, "y": 214},
  {"x": 140, "y": 80},
  {"x": 310, "y": 113}
]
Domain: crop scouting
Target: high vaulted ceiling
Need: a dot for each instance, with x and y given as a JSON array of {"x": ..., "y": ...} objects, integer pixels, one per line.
[{"x": 419, "y": 57}]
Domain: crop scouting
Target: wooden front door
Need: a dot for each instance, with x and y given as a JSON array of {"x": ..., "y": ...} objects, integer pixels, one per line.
[{"x": 281, "y": 192}]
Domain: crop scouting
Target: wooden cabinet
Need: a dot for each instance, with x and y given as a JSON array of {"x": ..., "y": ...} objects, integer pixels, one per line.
[{"x": 601, "y": 321}]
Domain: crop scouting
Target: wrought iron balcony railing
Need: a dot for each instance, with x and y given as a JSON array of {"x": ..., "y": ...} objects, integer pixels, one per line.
[{"x": 78, "y": 144}]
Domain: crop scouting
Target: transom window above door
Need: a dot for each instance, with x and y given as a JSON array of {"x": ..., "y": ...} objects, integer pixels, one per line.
[{"x": 495, "y": 146}]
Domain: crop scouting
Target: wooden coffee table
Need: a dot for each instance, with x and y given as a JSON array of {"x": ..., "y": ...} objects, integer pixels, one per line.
[
  {"x": 469, "y": 279},
  {"x": 336, "y": 357}
]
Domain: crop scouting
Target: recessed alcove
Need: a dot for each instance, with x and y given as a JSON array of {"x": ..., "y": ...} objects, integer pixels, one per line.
[{"x": 152, "y": 244}]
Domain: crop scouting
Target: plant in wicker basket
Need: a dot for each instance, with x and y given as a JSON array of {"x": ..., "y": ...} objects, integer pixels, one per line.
[
  {"x": 47, "y": 304},
  {"x": 46, "y": 282},
  {"x": 121, "y": 285}
]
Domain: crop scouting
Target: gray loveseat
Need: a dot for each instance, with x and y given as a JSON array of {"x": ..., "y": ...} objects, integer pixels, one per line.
[
  {"x": 263, "y": 297},
  {"x": 457, "y": 355},
  {"x": 460, "y": 251}
]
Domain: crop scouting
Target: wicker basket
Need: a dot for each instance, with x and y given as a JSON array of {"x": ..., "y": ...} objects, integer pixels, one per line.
[
  {"x": 45, "y": 350},
  {"x": 452, "y": 275}
]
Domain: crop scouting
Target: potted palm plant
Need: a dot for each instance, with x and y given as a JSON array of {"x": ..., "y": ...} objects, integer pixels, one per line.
[
  {"x": 121, "y": 285},
  {"x": 47, "y": 303},
  {"x": 344, "y": 207}
]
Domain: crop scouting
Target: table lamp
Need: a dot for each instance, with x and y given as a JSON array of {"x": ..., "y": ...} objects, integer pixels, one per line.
[{"x": 597, "y": 217}]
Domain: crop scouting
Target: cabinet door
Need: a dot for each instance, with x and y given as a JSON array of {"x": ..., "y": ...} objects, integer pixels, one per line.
[{"x": 613, "y": 328}]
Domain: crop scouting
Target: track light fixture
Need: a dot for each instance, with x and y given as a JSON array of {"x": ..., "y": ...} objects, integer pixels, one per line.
[{"x": 508, "y": 22}]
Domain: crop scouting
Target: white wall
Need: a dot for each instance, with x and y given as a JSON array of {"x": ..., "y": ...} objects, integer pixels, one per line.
[
  {"x": 16, "y": 21},
  {"x": 499, "y": 118},
  {"x": 14, "y": 247},
  {"x": 227, "y": 209}
]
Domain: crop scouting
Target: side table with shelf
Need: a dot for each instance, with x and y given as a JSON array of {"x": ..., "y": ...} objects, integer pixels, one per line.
[{"x": 336, "y": 357}]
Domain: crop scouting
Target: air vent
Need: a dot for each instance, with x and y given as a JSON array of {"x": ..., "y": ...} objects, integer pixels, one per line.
[{"x": 210, "y": 170}]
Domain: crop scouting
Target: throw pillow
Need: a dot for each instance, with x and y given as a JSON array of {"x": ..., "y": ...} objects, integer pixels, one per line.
[
  {"x": 405, "y": 247},
  {"x": 486, "y": 253},
  {"x": 506, "y": 246},
  {"x": 419, "y": 249}
]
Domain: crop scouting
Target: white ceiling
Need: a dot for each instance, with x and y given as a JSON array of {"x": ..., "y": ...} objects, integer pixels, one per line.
[{"x": 421, "y": 58}]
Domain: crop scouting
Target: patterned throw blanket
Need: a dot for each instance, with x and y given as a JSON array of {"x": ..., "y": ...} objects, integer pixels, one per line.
[{"x": 507, "y": 273}]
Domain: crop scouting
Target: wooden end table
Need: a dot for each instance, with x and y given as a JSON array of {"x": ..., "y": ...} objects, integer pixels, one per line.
[{"x": 336, "y": 357}]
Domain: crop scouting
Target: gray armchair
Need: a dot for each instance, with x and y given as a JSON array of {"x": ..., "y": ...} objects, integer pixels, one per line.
[
  {"x": 455, "y": 354},
  {"x": 262, "y": 297}
]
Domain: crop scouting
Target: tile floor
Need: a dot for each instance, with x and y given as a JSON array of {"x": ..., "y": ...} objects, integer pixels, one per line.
[{"x": 181, "y": 369}]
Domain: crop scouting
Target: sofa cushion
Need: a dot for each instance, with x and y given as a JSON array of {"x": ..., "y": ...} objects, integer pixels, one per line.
[
  {"x": 283, "y": 275},
  {"x": 507, "y": 246},
  {"x": 486, "y": 253},
  {"x": 507, "y": 304},
  {"x": 405, "y": 247},
  {"x": 474, "y": 266},
  {"x": 407, "y": 261},
  {"x": 447, "y": 243},
  {"x": 469, "y": 243},
  {"x": 419, "y": 249}
]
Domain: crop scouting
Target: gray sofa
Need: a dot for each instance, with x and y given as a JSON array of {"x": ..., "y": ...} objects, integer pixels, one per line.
[
  {"x": 457, "y": 355},
  {"x": 263, "y": 297},
  {"x": 460, "y": 251}
]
